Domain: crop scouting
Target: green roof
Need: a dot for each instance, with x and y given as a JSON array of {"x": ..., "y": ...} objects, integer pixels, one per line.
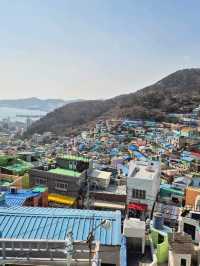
[
  {"x": 13, "y": 164},
  {"x": 61, "y": 171},
  {"x": 39, "y": 189},
  {"x": 19, "y": 168},
  {"x": 166, "y": 188},
  {"x": 5, "y": 183},
  {"x": 6, "y": 160},
  {"x": 75, "y": 157}
]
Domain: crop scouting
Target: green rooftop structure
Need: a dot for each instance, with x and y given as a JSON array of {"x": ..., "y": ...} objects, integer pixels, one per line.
[
  {"x": 18, "y": 168},
  {"x": 39, "y": 189},
  {"x": 65, "y": 177},
  {"x": 75, "y": 163},
  {"x": 5, "y": 183},
  {"x": 14, "y": 165},
  {"x": 61, "y": 171},
  {"x": 6, "y": 160},
  {"x": 166, "y": 190},
  {"x": 75, "y": 158}
]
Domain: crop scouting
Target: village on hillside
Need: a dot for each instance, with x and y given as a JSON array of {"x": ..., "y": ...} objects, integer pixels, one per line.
[{"x": 126, "y": 192}]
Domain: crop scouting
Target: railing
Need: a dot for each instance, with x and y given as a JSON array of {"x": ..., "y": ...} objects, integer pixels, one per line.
[{"x": 48, "y": 251}]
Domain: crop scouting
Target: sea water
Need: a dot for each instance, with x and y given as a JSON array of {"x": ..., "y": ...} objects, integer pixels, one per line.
[{"x": 14, "y": 113}]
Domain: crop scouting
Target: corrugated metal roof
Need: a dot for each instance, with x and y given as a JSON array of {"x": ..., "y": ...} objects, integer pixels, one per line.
[{"x": 55, "y": 223}]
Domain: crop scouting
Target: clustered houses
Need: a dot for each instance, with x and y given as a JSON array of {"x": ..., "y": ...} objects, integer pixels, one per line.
[{"x": 123, "y": 192}]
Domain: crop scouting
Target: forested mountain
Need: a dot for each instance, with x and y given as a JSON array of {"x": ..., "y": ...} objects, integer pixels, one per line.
[{"x": 178, "y": 92}]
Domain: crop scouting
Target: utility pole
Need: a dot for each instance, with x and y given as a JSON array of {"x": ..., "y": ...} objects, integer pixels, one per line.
[
  {"x": 88, "y": 200},
  {"x": 69, "y": 248}
]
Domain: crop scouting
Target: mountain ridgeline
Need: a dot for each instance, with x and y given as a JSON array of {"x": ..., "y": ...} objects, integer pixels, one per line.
[
  {"x": 178, "y": 92},
  {"x": 47, "y": 105}
]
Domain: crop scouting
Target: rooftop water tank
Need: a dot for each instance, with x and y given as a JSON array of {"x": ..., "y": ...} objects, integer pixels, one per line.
[{"x": 158, "y": 220}]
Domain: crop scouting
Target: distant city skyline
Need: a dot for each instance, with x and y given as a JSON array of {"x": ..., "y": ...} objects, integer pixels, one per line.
[{"x": 93, "y": 49}]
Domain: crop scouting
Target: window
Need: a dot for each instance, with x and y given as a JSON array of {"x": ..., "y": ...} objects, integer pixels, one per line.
[
  {"x": 190, "y": 230},
  {"x": 183, "y": 262},
  {"x": 139, "y": 194},
  {"x": 61, "y": 186},
  {"x": 71, "y": 166},
  {"x": 41, "y": 181}
]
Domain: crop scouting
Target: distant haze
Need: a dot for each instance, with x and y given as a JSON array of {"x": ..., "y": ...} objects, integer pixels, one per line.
[{"x": 93, "y": 48}]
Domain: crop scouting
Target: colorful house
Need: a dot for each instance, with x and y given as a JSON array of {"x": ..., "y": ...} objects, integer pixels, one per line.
[{"x": 192, "y": 198}]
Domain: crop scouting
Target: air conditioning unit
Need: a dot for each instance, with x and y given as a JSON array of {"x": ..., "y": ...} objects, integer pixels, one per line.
[{"x": 2, "y": 197}]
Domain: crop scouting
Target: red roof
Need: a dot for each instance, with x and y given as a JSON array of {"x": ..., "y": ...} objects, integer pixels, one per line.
[
  {"x": 138, "y": 206},
  {"x": 196, "y": 154}
]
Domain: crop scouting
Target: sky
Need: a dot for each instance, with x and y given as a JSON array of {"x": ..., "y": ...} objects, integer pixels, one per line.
[{"x": 93, "y": 48}]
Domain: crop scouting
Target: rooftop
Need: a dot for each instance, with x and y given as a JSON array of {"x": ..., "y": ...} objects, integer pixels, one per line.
[
  {"x": 171, "y": 189},
  {"x": 55, "y": 223},
  {"x": 18, "y": 199},
  {"x": 75, "y": 157},
  {"x": 100, "y": 174},
  {"x": 66, "y": 172},
  {"x": 142, "y": 170},
  {"x": 181, "y": 244}
]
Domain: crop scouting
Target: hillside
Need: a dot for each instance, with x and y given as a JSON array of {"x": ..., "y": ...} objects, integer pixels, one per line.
[
  {"x": 178, "y": 92},
  {"x": 47, "y": 105}
]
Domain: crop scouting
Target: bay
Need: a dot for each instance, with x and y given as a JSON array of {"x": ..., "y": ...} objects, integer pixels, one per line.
[{"x": 16, "y": 114}]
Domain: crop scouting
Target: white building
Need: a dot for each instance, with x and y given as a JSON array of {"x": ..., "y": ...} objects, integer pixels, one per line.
[
  {"x": 134, "y": 230},
  {"x": 143, "y": 182}
]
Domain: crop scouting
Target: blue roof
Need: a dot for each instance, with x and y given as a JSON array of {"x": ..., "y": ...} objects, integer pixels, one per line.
[
  {"x": 187, "y": 158},
  {"x": 18, "y": 199},
  {"x": 139, "y": 155},
  {"x": 55, "y": 223},
  {"x": 133, "y": 147}
]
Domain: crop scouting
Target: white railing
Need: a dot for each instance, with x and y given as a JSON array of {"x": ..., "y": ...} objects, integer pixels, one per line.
[{"x": 49, "y": 251}]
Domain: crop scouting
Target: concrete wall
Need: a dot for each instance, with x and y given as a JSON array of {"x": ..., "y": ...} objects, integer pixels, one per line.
[
  {"x": 108, "y": 197},
  {"x": 161, "y": 248}
]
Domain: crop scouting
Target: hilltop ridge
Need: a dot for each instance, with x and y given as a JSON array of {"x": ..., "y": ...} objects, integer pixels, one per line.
[{"x": 177, "y": 92}]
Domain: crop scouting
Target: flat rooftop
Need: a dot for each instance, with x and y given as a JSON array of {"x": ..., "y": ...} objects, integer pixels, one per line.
[
  {"x": 142, "y": 170},
  {"x": 66, "y": 172}
]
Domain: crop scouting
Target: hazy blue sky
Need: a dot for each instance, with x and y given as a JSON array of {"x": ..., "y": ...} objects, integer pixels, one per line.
[{"x": 94, "y": 48}]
